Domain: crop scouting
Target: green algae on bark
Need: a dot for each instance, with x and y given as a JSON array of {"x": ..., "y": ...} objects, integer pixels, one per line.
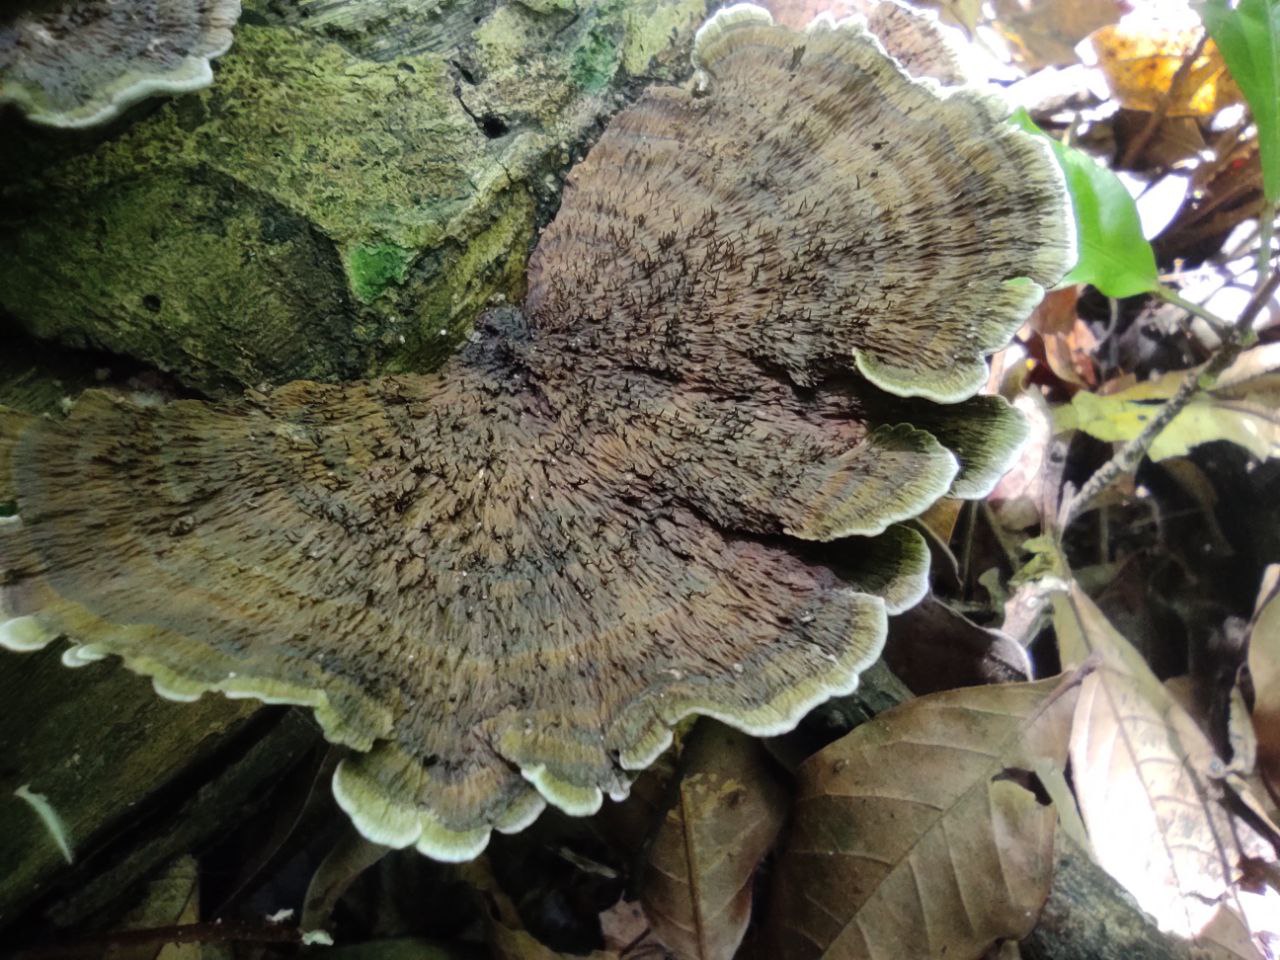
[{"x": 341, "y": 202}]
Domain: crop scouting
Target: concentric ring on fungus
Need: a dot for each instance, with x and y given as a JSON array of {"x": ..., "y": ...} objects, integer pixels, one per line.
[{"x": 754, "y": 328}]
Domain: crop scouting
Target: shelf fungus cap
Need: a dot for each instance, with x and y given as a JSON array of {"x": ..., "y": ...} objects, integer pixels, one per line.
[
  {"x": 672, "y": 483},
  {"x": 79, "y": 63},
  {"x": 892, "y": 221},
  {"x": 915, "y": 37}
]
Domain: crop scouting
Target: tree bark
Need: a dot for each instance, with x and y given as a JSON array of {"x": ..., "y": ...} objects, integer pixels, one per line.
[{"x": 359, "y": 181}]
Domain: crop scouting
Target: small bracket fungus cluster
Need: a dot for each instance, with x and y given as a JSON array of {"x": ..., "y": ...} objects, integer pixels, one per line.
[
  {"x": 756, "y": 326},
  {"x": 78, "y": 63}
]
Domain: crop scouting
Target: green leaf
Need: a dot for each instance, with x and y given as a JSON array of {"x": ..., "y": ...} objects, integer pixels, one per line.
[
  {"x": 1114, "y": 256},
  {"x": 1249, "y": 39}
]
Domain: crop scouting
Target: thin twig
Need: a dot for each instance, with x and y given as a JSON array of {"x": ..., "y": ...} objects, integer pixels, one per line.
[
  {"x": 1208, "y": 316},
  {"x": 1266, "y": 229},
  {"x": 1156, "y": 117},
  {"x": 1130, "y": 455}
]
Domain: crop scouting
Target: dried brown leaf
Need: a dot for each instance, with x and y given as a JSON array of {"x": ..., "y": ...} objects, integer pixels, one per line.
[
  {"x": 511, "y": 943},
  {"x": 1145, "y": 777},
  {"x": 1068, "y": 343},
  {"x": 1019, "y": 499},
  {"x": 172, "y": 898},
  {"x": 623, "y": 925},
  {"x": 1070, "y": 355},
  {"x": 346, "y": 860},
  {"x": 932, "y": 647},
  {"x": 920, "y": 834},
  {"x": 1057, "y": 313},
  {"x": 1227, "y": 937},
  {"x": 1264, "y": 666},
  {"x": 727, "y": 809},
  {"x": 508, "y": 940}
]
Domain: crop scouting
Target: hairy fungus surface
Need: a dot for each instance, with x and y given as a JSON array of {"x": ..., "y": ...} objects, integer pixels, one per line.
[
  {"x": 921, "y": 44},
  {"x": 754, "y": 328},
  {"x": 78, "y": 63}
]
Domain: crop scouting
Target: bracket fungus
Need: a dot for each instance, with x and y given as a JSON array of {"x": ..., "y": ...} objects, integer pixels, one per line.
[
  {"x": 756, "y": 326},
  {"x": 914, "y": 36},
  {"x": 79, "y": 63}
]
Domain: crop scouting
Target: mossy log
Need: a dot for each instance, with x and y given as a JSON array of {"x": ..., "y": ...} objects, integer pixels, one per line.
[
  {"x": 96, "y": 745},
  {"x": 360, "y": 179}
]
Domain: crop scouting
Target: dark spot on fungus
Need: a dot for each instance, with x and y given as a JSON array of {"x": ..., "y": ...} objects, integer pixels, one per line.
[{"x": 152, "y": 302}]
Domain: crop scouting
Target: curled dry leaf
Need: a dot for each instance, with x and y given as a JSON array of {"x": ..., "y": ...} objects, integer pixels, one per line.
[
  {"x": 726, "y": 811},
  {"x": 1146, "y": 780},
  {"x": 1068, "y": 342},
  {"x": 931, "y": 647},
  {"x": 923, "y": 833}
]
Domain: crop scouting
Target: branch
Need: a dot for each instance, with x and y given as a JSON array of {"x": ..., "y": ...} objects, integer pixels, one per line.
[
  {"x": 1130, "y": 455},
  {"x": 1157, "y": 116}
]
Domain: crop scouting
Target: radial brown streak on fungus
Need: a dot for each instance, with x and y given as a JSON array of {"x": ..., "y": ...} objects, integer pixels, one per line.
[
  {"x": 502, "y": 585},
  {"x": 921, "y": 44},
  {"x": 816, "y": 207},
  {"x": 78, "y": 63},
  {"x": 918, "y": 41}
]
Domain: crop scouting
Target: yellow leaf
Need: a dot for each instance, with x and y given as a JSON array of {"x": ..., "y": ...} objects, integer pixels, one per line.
[
  {"x": 1140, "y": 60},
  {"x": 1243, "y": 406}
]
